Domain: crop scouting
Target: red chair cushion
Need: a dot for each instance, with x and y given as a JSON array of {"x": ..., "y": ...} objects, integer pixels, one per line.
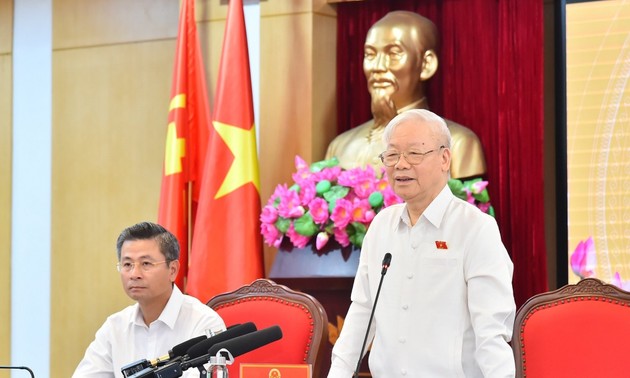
[
  {"x": 580, "y": 337},
  {"x": 294, "y": 320}
]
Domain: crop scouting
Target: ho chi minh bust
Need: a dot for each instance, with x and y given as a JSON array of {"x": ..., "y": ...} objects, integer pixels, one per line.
[{"x": 399, "y": 56}]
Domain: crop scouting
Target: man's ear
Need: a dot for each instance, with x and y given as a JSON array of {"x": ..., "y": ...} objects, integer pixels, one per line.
[
  {"x": 446, "y": 159},
  {"x": 429, "y": 65},
  {"x": 174, "y": 268}
]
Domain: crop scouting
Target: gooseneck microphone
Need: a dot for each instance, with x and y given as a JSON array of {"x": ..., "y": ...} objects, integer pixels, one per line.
[{"x": 386, "y": 262}]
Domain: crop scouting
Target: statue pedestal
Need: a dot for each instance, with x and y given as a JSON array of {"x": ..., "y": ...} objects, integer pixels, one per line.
[{"x": 327, "y": 275}]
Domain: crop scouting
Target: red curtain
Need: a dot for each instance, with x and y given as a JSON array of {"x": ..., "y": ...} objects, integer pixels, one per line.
[{"x": 490, "y": 78}]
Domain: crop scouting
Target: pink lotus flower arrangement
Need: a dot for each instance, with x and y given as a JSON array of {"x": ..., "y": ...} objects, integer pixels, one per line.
[{"x": 325, "y": 202}]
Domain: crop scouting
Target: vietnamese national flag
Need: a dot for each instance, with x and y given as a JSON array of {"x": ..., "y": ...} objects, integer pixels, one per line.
[
  {"x": 227, "y": 244},
  {"x": 186, "y": 137}
]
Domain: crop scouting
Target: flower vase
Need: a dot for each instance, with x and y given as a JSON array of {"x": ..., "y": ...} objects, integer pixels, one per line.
[{"x": 332, "y": 260}]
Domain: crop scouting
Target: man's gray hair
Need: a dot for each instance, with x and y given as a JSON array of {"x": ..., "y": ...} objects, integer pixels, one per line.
[{"x": 421, "y": 118}]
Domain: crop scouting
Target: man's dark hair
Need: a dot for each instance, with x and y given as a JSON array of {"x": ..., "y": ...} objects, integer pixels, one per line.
[{"x": 169, "y": 246}]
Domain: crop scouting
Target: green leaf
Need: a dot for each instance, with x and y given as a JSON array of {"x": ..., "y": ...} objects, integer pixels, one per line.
[
  {"x": 320, "y": 165},
  {"x": 356, "y": 233},
  {"x": 336, "y": 192},
  {"x": 282, "y": 224},
  {"x": 457, "y": 187},
  {"x": 482, "y": 197},
  {"x": 305, "y": 225}
]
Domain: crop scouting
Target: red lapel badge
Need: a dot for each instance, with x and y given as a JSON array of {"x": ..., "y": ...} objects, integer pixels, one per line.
[{"x": 440, "y": 244}]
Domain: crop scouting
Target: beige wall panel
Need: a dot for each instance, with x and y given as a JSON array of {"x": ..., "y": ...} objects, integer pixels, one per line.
[
  {"x": 6, "y": 25},
  {"x": 5, "y": 207},
  {"x": 211, "y": 10},
  {"x": 110, "y": 107},
  {"x": 324, "y": 83},
  {"x": 285, "y": 101},
  {"x": 284, "y": 7},
  {"x": 104, "y": 22}
]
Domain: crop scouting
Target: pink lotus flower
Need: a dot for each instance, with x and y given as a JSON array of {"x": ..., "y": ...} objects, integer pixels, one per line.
[
  {"x": 478, "y": 186},
  {"x": 617, "y": 281},
  {"x": 583, "y": 259},
  {"x": 341, "y": 215},
  {"x": 289, "y": 205},
  {"x": 269, "y": 214},
  {"x": 321, "y": 240},
  {"x": 271, "y": 234},
  {"x": 362, "y": 212},
  {"x": 341, "y": 235},
  {"x": 319, "y": 210}
]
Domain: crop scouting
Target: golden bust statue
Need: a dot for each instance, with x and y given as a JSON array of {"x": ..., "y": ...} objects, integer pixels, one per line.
[{"x": 399, "y": 56}]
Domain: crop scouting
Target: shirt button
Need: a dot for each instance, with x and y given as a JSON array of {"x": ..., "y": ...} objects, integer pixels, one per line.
[
  {"x": 404, "y": 307},
  {"x": 402, "y": 340},
  {"x": 403, "y": 371},
  {"x": 410, "y": 275}
]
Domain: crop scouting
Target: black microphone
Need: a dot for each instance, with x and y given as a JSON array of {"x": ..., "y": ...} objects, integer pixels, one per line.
[
  {"x": 247, "y": 343},
  {"x": 386, "y": 262},
  {"x": 236, "y": 347},
  {"x": 18, "y": 368},
  {"x": 197, "y": 355},
  {"x": 177, "y": 351},
  {"x": 202, "y": 347}
]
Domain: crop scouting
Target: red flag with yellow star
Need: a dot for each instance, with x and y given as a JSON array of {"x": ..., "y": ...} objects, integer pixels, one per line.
[
  {"x": 186, "y": 137},
  {"x": 227, "y": 244}
]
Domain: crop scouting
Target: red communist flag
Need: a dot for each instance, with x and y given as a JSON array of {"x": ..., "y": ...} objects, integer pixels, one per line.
[
  {"x": 227, "y": 244},
  {"x": 186, "y": 137}
]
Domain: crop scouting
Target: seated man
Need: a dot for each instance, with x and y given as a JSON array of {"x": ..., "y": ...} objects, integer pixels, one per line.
[
  {"x": 162, "y": 318},
  {"x": 399, "y": 57}
]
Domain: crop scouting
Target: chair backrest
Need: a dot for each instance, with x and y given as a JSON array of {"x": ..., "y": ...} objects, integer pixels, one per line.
[
  {"x": 579, "y": 330},
  {"x": 301, "y": 318}
]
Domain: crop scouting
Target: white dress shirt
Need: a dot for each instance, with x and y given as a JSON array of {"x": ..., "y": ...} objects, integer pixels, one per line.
[
  {"x": 446, "y": 307},
  {"x": 125, "y": 338}
]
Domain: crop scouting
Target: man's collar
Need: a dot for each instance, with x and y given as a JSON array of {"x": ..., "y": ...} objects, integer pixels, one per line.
[
  {"x": 434, "y": 213},
  {"x": 169, "y": 313}
]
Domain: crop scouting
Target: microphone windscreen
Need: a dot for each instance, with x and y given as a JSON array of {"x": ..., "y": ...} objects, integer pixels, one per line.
[
  {"x": 202, "y": 347},
  {"x": 246, "y": 343},
  {"x": 387, "y": 259},
  {"x": 180, "y": 349}
]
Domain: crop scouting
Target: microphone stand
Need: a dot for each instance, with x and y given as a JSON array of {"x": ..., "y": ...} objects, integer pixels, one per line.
[
  {"x": 386, "y": 261},
  {"x": 18, "y": 367}
]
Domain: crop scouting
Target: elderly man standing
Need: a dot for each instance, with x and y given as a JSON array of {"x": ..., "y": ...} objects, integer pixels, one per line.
[{"x": 446, "y": 307}]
